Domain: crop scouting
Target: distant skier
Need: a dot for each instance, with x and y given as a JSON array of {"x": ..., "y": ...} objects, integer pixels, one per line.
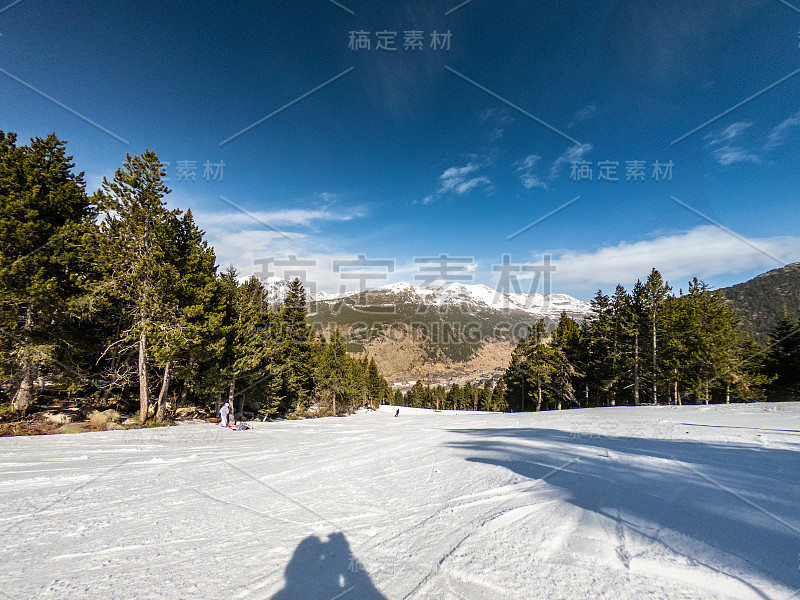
[
  {"x": 397, "y": 414},
  {"x": 223, "y": 414}
]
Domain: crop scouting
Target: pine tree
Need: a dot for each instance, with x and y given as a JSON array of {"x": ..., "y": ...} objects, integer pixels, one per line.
[
  {"x": 499, "y": 401},
  {"x": 638, "y": 312},
  {"x": 416, "y": 395},
  {"x": 651, "y": 297},
  {"x": 624, "y": 342},
  {"x": 784, "y": 359},
  {"x": 439, "y": 397},
  {"x": 485, "y": 397},
  {"x": 562, "y": 373},
  {"x": 609, "y": 348},
  {"x": 331, "y": 373},
  {"x": 750, "y": 377},
  {"x": 601, "y": 347},
  {"x": 569, "y": 363},
  {"x": 454, "y": 397},
  {"x": 295, "y": 349},
  {"x": 249, "y": 363},
  {"x": 376, "y": 384},
  {"x": 711, "y": 340},
  {"x": 189, "y": 332},
  {"x": 136, "y": 231},
  {"x": 531, "y": 369},
  {"x": 673, "y": 347},
  {"x": 44, "y": 214}
]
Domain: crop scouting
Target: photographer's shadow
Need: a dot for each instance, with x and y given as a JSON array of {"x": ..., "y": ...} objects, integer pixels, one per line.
[{"x": 326, "y": 570}]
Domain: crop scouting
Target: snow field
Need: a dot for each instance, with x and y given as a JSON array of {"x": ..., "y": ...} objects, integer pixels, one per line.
[{"x": 647, "y": 502}]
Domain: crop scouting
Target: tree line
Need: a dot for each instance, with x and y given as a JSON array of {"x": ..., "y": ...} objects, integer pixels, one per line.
[
  {"x": 643, "y": 346},
  {"x": 457, "y": 397},
  {"x": 116, "y": 297}
]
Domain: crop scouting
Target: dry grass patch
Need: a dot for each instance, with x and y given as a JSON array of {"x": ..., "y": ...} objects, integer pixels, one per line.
[
  {"x": 36, "y": 427},
  {"x": 100, "y": 421}
]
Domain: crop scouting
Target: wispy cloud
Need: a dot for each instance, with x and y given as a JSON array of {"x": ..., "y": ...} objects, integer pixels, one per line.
[
  {"x": 780, "y": 133},
  {"x": 466, "y": 186},
  {"x": 572, "y": 154},
  {"x": 727, "y": 146},
  {"x": 281, "y": 218},
  {"x": 705, "y": 251},
  {"x": 724, "y": 150},
  {"x": 499, "y": 119},
  {"x": 456, "y": 173},
  {"x": 587, "y": 112},
  {"x": 239, "y": 238},
  {"x": 499, "y": 115},
  {"x": 728, "y": 155},
  {"x": 525, "y": 168},
  {"x": 461, "y": 180},
  {"x": 729, "y": 133}
]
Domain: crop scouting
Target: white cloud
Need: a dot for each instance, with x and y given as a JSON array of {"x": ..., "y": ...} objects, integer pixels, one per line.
[
  {"x": 724, "y": 152},
  {"x": 777, "y": 137},
  {"x": 456, "y": 172},
  {"x": 499, "y": 119},
  {"x": 501, "y": 116},
  {"x": 240, "y": 239},
  {"x": 525, "y": 168},
  {"x": 587, "y": 112},
  {"x": 463, "y": 188},
  {"x": 572, "y": 154},
  {"x": 732, "y": 131},
  {"x": 279, "y": 218},
  {"x": 727, "y": 155},
  {"x": 455, "y": 179},
  {"x": 705, "y": 251}
]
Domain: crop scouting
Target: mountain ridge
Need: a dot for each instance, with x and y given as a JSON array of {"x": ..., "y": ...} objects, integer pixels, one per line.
[
  {"x": 450, "y": 294},
  {"x": 760, "y": 302},
  {"x": 440, "y": 331}
]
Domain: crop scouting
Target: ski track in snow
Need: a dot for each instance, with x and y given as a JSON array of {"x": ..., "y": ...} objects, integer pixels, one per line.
[{"x": 623, "y": 503}]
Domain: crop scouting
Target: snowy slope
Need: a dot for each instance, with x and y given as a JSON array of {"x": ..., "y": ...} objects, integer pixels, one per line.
[{"x": 625, "y": 503}]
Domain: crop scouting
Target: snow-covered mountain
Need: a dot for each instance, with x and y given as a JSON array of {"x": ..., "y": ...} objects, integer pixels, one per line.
[
  {"x": 470, "y": 297},
  {"x": 482, "y": 297},
  {"x": 435, "y": 330}
]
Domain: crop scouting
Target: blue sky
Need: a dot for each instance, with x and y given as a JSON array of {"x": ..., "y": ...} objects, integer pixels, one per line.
[{"x": 409, "y": 154}]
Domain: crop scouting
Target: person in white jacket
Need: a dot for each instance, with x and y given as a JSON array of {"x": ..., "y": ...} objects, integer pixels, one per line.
[{"x": 223, "y": 414}]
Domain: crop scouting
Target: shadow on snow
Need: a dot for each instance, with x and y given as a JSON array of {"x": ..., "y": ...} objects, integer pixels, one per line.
[
  {"x": 326, "y": 571},
  {"x": 743, "y": 500}
]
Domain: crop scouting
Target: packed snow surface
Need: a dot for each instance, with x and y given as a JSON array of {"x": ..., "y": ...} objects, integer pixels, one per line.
[{"x": 618, "y": 503}]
